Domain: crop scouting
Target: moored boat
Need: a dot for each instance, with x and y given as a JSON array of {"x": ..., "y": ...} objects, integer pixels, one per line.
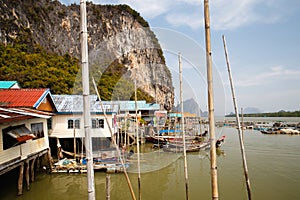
[{"x": 191, "y": 146}]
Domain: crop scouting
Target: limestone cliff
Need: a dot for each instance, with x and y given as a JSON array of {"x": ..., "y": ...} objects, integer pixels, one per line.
[{"x": 117, "y": 34}]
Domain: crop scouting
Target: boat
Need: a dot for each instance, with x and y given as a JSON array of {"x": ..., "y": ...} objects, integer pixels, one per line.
[
  {"x": 191, "y": 146},
  {"x": 194, "y": 147},
  {"x": 159, "y": 141},
  {"x": 283, "y": 131},
  {"x": 103, "y": 160},
  {"x": 155, "y": 139}
]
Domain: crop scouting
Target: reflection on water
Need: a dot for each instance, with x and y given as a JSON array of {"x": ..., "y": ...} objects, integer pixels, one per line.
[
  {"x": 273, "y": 164},
  {"x": 153, "y": 161}
]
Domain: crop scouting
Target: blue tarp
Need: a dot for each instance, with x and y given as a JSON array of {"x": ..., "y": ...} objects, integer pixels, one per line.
[{"x": 170, "y": 131}]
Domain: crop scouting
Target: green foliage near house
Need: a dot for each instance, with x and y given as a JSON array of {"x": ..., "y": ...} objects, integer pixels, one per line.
[{"x": 38, "y": 69}]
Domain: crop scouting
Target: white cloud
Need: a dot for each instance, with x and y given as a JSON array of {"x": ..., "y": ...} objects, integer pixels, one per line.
[
  {"x": 275, "y": 74},
  {"x": 236, "y": 13},
  {"x": 147, "y": 8},
  {"x": 192, "y": 20},
  {"x": 224, "y": 14}
]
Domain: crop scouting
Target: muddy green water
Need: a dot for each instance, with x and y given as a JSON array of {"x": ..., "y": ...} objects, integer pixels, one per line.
[{"x": 273, "y": 163}]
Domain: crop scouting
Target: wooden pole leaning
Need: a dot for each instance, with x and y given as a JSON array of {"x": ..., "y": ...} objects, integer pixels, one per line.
[
  {"x": 240, "y": 133},
  {"x": 114, "y": 141},
  {"x": 183, "y": 131}
]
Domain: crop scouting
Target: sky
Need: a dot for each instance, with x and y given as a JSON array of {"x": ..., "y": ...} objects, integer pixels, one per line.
[{"x": 262, "y": 38}]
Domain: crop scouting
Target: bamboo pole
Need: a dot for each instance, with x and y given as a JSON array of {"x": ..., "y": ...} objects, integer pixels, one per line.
[
  {"x": 243, "y": 125},
  {"x": 200, "y": 122},
  {"x": 86, "y": 100},
  {"x": 74, "y": 141},
  {"x": 213, "y": 162},
  {"x": 183, "y": 131},
  {"x": 125, "y": 131},
  {"x": 114, "y": 142},
  {"x": 137, "y": 141},
  {"x": 241, "y": 138}
]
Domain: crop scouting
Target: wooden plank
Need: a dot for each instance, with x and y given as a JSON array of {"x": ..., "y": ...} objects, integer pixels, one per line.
[{"x": 9, "y": 154}]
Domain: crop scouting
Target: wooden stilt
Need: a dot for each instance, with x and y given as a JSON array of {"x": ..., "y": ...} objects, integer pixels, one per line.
[
  {"x": 27, "y": 175},
  {"x": 38, "y": 163},
  {"x": 49, "y": 159},
  {"x": 32, "y": 170},
  {"x": 59, "y": 153},
  {"x": 20, "y": 180},
  {"x": 107, "y": 187}
]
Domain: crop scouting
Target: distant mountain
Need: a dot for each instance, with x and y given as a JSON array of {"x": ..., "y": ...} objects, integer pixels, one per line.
[
  {"x": 250, "y": 110},
  {"x": 281, "y": 113},
  {"x": 190, "y": 106}
]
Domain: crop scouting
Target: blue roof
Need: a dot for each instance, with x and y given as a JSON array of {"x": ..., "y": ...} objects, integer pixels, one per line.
[
  {"x": 7, "y": 84},
  {"x": 74, "y": 104},
  {"x": 141, "y": 105}
]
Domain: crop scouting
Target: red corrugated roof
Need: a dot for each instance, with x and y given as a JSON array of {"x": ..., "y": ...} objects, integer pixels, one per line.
[{"x": 20, "y": 97}]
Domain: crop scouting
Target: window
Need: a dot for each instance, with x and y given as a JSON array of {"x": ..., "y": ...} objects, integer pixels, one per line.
[
  {"x": 77, "y": 123},
  {"x": 73, "y": 123},
  {"x": 97, "y": 123},
  {"x": 37, "y": 129},
  {"x": 49, "y": 123},
  {"x": 15, "y": 135},
  {"x": 70, "y": 123}
]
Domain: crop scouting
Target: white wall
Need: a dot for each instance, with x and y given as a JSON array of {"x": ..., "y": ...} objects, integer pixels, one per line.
[
  {"x": 60, "y": 126},
  {"x": 29, "y": 147}
]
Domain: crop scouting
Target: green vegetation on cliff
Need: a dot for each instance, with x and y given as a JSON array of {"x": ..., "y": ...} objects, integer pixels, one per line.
[
  {"x": 39, "y": 69},
  {"x": 61, "y": 74}
]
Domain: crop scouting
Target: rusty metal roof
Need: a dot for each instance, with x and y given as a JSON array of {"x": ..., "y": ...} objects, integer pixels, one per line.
[{"x": 13, "y": 114}]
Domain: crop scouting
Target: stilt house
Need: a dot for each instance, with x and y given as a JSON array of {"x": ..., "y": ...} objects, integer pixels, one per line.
[{"x": 24, "y": 117}]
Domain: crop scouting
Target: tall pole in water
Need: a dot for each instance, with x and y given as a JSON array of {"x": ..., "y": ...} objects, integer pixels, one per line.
[
  {"x": 213, "y": 160},
  {"x": 183, "y": 132},
  {"x": 86, "y": 101},
  {"x": 240, "y": 133},
  {"x": 137, "y": 140}
]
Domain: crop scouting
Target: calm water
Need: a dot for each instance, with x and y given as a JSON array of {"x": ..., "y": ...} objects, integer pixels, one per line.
[{"x": 273, "y": 163}]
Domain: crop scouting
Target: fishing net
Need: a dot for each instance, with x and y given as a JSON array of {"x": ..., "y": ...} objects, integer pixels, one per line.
[{"x": 152, "y": 161}]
